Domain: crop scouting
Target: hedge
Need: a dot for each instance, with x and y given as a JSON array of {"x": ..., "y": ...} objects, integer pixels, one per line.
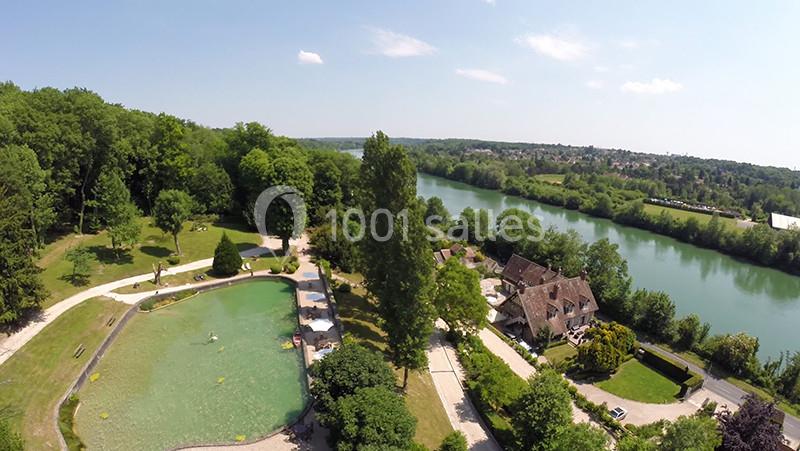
[{"x": 688, "y": 380}]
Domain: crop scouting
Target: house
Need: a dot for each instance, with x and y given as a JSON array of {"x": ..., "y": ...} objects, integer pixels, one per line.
[
  {"x": 468, "y": 256},
  {"x": 521, "y": 271},
  {"x": 783, "y": 222},
  {"x": 560, "y": 304}
]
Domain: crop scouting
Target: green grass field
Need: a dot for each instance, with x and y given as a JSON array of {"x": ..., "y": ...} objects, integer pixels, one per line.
[
  {"x": 703, "y": 218},
  {"x": 35, "y": 377},
  {"x": 359, "y": 319},
  {"x": 555, "y": 179},
  {"x": 638, "y": 382},
  {"x": 558, "y": 354},
  {"x": 154, "y": 246}
]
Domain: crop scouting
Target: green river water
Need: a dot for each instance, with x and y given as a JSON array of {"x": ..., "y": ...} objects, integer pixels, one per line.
[
  {"x": 160, "y": 381},
  {"x": 730, "y": 294}
]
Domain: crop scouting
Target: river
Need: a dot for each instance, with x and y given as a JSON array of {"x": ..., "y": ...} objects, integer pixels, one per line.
[{"x": 730, "y": 294}]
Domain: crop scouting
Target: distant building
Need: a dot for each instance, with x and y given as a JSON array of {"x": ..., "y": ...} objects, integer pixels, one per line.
[
  {"x": 520, "y": 271},
  {"x": 467, "y": 254},
  {"x": 783, "y": 222}
]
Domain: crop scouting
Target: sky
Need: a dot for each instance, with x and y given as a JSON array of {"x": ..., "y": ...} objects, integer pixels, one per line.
[{"x": 717, "y": 79}]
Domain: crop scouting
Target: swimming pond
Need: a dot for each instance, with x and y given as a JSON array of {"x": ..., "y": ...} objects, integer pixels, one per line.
[{"x": 163, "y": 383}]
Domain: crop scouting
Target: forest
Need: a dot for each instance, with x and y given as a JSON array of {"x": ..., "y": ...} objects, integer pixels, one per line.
[{"x": 71, "y": 162}]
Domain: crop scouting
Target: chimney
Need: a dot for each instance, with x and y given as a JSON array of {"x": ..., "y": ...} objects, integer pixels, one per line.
[
  {"x": 522, "y": 289},
  {"x": 584, "y": 274},
  {"x": 559, "y": 270},
  {"x": 555, "y": 291}
]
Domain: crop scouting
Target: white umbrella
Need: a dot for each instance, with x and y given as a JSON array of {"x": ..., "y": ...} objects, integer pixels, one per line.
[
  {"x": 322, "y": 353},
  {"x": 320, "y": 325}
]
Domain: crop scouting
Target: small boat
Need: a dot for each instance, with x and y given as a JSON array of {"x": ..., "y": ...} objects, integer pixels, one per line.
[{"x": 297, "y": 339}]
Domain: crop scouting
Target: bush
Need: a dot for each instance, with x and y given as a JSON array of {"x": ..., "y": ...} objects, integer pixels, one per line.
[
  {"x": 275, "y": 268},
  {"x": 455, "y": 441},
  {"x": 66, "y": 416},
  {"x": 9, "y": 440},
  {"x": 290, "y": 268},
  {"x": 173, "y": 260},
  {"x": 227, "y": 260},
  {"x": 345, "y": 288}
]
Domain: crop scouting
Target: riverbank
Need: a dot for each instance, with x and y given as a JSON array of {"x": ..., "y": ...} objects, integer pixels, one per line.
[{"x": 731, "y": 295}]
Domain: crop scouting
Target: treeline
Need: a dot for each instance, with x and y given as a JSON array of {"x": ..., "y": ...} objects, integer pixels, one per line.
[
  {"x": 750, "y": 189},
  {"x": 70, "y": 161},
  {"x": 618, "y": 199}
]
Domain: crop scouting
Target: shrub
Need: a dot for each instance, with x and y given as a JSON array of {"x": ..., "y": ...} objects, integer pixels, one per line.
[
  {"x": 173, "y": 260},
  {"x": 290, "y": 268},
  {"x": 455, "y": 441},
  {"x": 345, "y": 288},
  {"x": 227, "y": 260},
  {"x": 275, "y": 268}
]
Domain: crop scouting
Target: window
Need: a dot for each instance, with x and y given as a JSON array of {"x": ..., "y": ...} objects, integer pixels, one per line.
[{"x": 550, "y": 314}]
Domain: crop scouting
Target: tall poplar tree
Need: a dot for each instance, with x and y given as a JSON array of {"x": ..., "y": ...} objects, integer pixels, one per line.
[{"x": 397, "y": 262}]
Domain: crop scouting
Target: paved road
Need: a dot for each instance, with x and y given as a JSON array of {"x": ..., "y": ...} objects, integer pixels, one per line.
[
  {"x": 447, "y": 376},
  {"x": 730, "y": 392}
]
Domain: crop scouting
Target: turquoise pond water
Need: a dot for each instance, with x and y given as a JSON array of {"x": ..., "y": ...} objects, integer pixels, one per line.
[{"x": 161, "y": 382}]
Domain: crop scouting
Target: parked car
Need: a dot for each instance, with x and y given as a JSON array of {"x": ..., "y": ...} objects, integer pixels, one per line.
[
  {"x": 618, "y": 413},
  {"x": 510, "y": 335}
]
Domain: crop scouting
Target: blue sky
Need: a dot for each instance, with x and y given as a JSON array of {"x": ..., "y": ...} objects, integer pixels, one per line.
[{"x": 712, "y": 78}]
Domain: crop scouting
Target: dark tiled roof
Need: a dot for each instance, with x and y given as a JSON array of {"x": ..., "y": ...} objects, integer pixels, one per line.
[
  {"x": 553, "y": 296},
  {"x": 519, "y": 269}
]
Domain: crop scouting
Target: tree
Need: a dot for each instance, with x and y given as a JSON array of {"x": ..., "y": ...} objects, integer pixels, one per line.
[
  {"x": 20, "y": 170},
  {"x": 458, "y": 299},
  {"x": 789, "y": 380},
  {"x": 654, "y": 312},
  {"x": 695, "y": 433},
  {"x": 492, "y": 380},
  {"x": 581, "y": 436},
  {"x": 736, "y": 352},
  {"x": 517, "y": 231},
  {"x": 542, "y": 411},
  {"x": 212, "y": 189},
  {"x": 634, "y": 443},
  {"x": 9, "y": 440},
  {"x": 751, "y": 428},
  {"x": 564, "y": 251},
  {"x": 689, "y": 331},
  {"x": 607, "y": 345},
  {"x": 395, "y": 255},
  {"x": 288, "y": 169},
  {"x": 172, "y": 209},
  {"x": 343, "y": 372},
  {"x": 112, "y": 202},
  {"x": 608, "y": 278},
  {"x": 227, "y": 260},
  {"x": 372, "y": 418},
  {"x": 435, "y": 208},
  {"x": 454, "y": 441},
  {"x": 81, "y": 259},
  {"x": 327, "y": 187},
  {"x": 20, "y": 286}
]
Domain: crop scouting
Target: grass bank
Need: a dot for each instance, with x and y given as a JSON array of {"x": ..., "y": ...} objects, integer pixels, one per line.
[{"x": 36, "y": 376}]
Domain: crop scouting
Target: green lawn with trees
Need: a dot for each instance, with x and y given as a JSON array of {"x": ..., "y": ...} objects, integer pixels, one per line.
[
  {"x": 155, "y": 246},
  {"x": 35, "y": 377},
  {"x": 685, "y": 215},
  {"x": 638, "y": 382}
]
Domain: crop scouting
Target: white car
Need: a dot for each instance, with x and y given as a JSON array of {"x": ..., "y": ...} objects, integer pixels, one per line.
[
  {"x": 526, "y": 347},
  {"x": 618, "y": 413}
]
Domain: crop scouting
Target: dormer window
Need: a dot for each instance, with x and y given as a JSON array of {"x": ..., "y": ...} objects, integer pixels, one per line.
[{"x": 551, "y": 314}]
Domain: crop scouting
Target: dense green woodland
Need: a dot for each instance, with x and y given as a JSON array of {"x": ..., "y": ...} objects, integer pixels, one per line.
[
  {"x": 613, "y": 184},
  {"x": 70, "y": 161}
]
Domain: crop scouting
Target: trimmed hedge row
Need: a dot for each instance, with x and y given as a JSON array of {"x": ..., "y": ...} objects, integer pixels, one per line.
[{"x": 688, "y": 380}]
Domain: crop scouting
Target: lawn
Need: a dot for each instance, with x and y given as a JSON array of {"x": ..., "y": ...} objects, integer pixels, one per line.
[
  {"x": 676, "y": 213},
  {"x": 359, "y": 319},
  {"x": 154, "y": 246},
  {"x": 559, "y": 353},
  {"x": 554, "y": 179},
  {"x": 35, "y": 377},
  {"x": 258, "y": 264},
  {"x": 636, "y": 381}
]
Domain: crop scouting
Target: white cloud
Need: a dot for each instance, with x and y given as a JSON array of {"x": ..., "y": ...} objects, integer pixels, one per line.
[
  {"x": 396, "y": 45},
  {"x": 594, "y": 84},
  {"x": 482, "y": 75},
  {"x": 562, "y": 49},
  {"x": 654, "y": 86},
  {"x": 304, "y": 57}
]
